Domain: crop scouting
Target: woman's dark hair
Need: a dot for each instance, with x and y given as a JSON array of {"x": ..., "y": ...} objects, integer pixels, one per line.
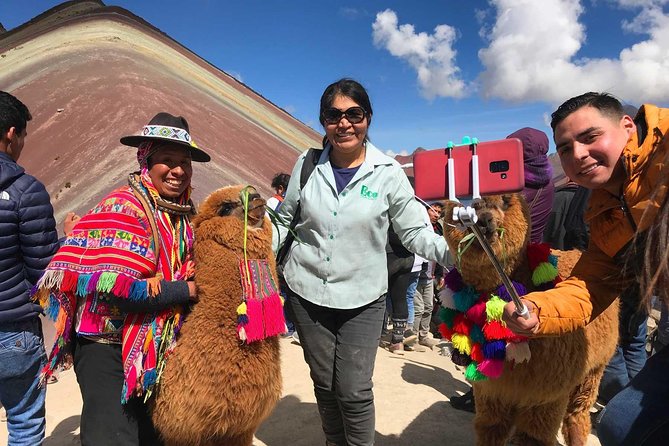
[
  {"x": 347, "y": 88},
  {"x": 280, "y": 179},
  {"x": 13, "y": 113},
  {"x": 604, "y": 102},
  {"x": 654, "y": 247}
]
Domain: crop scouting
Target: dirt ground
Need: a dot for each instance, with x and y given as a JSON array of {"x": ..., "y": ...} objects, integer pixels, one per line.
[{"x": 411, "y": 393}]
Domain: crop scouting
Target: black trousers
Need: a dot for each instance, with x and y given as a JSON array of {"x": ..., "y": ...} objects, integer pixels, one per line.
[
  {"x": 104, "y": 420},
  {"x": 340, "y": 348}
]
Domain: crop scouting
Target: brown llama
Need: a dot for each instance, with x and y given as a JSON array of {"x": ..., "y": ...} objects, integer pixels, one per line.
[
  {"x": 559, "y": 383},
  {"x": 215, "y": 389}
]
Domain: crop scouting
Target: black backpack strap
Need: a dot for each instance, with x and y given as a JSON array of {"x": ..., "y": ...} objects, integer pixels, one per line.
[
  {"x": 310, "y": 162},
  {"x": 308, "y": 166}
]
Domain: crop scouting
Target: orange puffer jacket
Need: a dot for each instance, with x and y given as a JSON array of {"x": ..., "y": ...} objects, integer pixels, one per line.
[{"x": 597, "y": 279}]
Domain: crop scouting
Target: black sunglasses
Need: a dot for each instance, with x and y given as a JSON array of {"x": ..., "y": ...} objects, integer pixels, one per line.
[{"x": 354, "y": 115}]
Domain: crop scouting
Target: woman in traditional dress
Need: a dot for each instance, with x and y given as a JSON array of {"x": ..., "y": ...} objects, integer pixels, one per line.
[{"x": 119, "y": 285}]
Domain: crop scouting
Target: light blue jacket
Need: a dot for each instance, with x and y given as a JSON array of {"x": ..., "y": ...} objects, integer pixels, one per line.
[{"x": 341, "y": 259}]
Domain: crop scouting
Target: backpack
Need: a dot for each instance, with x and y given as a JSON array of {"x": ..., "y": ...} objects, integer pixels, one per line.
[{"x": 310, "y": 161}]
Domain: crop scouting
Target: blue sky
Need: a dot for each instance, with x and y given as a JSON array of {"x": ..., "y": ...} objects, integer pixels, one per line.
[{"x": 435, "y": 70}]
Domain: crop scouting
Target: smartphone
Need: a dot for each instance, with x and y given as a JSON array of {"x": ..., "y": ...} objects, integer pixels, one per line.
[{"x": 500, "y": 169}]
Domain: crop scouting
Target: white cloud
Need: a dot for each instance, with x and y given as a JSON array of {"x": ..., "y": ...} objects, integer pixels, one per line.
[
  {"x": 533, "y": 49},
  {"x": 535, "y": 52},
  {"x": 431, "y": 55},
  {"x": 393, "y": 154}
]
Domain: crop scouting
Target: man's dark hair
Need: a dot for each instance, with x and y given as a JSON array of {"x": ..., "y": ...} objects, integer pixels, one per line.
[
  {"x": 604, "y": 102},
  {"x": 13, "y": 113},
  {"x": 280, "y": 179}
]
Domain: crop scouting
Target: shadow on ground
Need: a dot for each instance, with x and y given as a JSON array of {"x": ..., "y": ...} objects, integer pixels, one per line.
[
  {"x": 441, "y": 380},
  {"x": 64, "y": 432},
  {"x": 298, "y": 423}
]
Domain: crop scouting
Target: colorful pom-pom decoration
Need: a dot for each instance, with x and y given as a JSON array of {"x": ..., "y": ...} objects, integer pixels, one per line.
[{"x": 473, "y": 321}]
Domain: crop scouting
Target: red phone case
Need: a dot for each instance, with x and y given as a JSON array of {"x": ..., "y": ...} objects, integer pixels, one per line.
[{"x": 500, "y": 170}]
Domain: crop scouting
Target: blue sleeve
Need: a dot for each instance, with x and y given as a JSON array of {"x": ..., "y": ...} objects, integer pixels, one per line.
[{"x": 38, "y": 238}]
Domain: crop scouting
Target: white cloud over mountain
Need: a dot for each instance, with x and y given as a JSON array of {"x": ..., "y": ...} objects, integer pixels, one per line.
[
  {"x": 431, "y": 55},
  {"x": 532, "y": 53}
]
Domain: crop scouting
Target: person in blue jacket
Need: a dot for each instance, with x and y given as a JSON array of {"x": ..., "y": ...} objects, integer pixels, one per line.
[
  {"x": 28, "y": 240},
  {"x": 337, "y": 274}
]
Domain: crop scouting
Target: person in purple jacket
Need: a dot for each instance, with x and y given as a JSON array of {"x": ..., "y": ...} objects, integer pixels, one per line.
[
  {"x": 539, "y": 190},
  {"x": 28, "y": 240}
]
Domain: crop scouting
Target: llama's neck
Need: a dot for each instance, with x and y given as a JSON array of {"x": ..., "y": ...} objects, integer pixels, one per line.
[{"x": 478, "y": 270}]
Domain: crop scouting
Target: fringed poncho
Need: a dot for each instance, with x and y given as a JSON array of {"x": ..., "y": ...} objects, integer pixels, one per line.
[{"x": 111, "y": 253}]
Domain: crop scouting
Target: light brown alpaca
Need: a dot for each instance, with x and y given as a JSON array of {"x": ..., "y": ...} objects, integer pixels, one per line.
[
  {"x": 560, "y": 382},
  {"x": 216, "y": 390}
]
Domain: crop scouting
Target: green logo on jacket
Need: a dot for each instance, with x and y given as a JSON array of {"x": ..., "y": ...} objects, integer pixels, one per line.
[{"x": 368, "y": 194}]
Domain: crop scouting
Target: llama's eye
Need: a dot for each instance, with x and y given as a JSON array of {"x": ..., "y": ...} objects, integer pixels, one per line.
[
  {"x": 226, "y": 209},
  {"x": 506, "y": 202}
]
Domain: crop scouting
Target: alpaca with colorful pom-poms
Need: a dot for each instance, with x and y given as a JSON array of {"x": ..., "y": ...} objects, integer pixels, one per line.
[{"x": 525, "y": 387}]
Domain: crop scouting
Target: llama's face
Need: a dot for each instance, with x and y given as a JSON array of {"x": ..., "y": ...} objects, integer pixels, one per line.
[
  {"x": 222, "y": 217},
  {"x": 501, "y": 219}
]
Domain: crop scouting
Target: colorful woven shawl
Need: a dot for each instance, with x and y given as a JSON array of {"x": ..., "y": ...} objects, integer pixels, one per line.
[
  {"x": 112, "y": 252},
  {"x": 472, "y": 321}
]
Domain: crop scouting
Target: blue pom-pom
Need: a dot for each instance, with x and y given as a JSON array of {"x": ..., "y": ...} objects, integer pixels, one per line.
[
  {"x": 242, "y": 319},
  {"x": 494, "y": 350},
  {"x": 465, "y": 298},
  {"x": 477, "y": 334},
  {"x": 553, "y": 260}
]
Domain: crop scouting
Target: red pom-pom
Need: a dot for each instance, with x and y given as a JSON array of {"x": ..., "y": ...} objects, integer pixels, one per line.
[
  {"x": 495, "y": 330},
  {"x": 445, "y": 332},
  {"x": 557, "y": 280},
  {"x": 477, "y": 314},
  {"x": 537, "y": 253},
  {"x": 477, "y": 352},
  {"x": 461, "y": 324}
]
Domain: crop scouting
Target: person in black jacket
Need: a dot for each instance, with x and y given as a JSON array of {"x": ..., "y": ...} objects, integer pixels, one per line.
[{"x": 28, "y": 240}]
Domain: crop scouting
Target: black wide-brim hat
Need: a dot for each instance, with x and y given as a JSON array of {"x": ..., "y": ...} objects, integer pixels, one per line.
[{"x": 165, "y": 127}]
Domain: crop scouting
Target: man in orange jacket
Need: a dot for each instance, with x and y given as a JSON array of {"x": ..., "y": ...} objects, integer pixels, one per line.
[{"x": 623, "y": 161}]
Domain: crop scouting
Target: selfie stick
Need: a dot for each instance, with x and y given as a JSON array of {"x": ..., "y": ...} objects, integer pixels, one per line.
[
  {"x": 451, "y": 172},
  {"x": 467, "y": 217}
]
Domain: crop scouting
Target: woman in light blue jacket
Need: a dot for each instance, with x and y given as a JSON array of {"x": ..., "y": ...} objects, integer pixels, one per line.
[{"x": 337, "y": 274}]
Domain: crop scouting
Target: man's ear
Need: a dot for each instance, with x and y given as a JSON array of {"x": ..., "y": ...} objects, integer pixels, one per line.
[
  {"x": 8, "y": 136},
  {"x": 627, "y": 123}
]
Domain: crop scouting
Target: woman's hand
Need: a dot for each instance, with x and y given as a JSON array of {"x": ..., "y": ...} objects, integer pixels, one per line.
[
  {"x": 519, "y": 324},
  {"x": 192, "y": 291},
  {"x": 71, "y": 219}
]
